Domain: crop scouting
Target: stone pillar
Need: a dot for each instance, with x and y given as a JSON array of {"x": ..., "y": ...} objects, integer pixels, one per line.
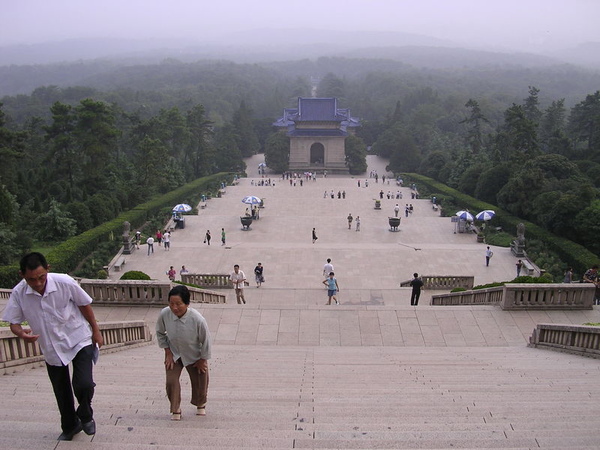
[{"x": 128, "y": 244}]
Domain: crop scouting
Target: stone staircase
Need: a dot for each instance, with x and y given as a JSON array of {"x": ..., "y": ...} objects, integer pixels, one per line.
[{"x": 321, "y": 397}]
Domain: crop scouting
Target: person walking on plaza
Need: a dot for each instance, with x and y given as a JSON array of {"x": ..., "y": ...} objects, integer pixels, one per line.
[
  {"x": 158, "y": 237},
  {"x": 327, "y": 268},
  {"x": 258, "y": 275},
  {"x": 568, "y": 276},
  {"x": 207, "y": 237},
  {"x": 332, "y": 288},
  {"x": 350, "y": 219},
  {"x": 357, "y": 221},
  {"x": 61, "y": 320},
  {"x": 183, "y": 333},
  {"x": 396, "y": 209},
  {"x": 519, "y": 265},
  {"x": 166, "y": 238},
  {"x": 150, "y": 243},
  {"x": 222, "y": 236},
  {"x": 238, "y": 278},
  {"x": 171, "y": 273},
  {"x": 417, "y": 285},
  {"x": 183, "y": 271},
  {"x": 314, "y": 236},
  {"x": 488, "y": 256},
  {"x": 138, "y": 238}
]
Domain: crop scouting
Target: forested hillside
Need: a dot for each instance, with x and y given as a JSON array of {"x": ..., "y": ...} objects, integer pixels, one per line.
[{"x": 91, "y": 139}]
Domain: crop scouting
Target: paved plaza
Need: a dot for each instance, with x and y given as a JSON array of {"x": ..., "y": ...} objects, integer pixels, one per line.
[{"x": 290, "y": 372}]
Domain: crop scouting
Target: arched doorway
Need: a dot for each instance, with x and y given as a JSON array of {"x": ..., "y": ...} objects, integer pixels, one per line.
[{"x": 317, "y": 154}]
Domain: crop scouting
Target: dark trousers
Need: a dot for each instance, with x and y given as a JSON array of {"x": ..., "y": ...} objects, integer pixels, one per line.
[
  {"x": 83, "y": 387},
  {"x": 414, "y": 297}
]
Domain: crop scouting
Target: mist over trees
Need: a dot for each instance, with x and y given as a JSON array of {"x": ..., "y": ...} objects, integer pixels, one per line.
[{"x": 75, "y": 155}]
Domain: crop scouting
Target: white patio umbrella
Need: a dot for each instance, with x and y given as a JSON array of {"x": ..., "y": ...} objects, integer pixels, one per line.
[
  {"x": 465, "y": 215},
  {"x": 251, "y": 200},
  {"x": 486, "y": 214},
  {"x": 182, "y": 207}
]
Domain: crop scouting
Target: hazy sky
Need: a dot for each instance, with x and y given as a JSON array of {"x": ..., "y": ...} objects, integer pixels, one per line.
[{"x": 501, "y": 23}]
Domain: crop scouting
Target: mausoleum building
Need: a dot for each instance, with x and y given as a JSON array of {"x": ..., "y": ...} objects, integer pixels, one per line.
[{"x": 317, "y": 130}]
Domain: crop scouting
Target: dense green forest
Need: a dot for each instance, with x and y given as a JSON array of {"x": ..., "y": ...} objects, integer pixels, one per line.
[{"x": 75, "y": 155}]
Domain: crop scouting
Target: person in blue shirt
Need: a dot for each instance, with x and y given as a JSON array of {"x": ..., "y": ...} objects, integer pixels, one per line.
[{"x": 332, "y": 288}]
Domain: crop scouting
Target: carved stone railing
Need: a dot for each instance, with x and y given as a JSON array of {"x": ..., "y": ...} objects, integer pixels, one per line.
[
  {"x": 578, "y": 339},
  {"x": 445, "y": 282},
  {"x": 549, "y": 296},
  {"x": 15, "y": 352},
  {"x": 489, "y": 296},
  {"x": 141, "y": 293},
  {"x": 524, "y": 296},
  {"x": 208, "y": 280},
  {"x": 5, "y": 293}
]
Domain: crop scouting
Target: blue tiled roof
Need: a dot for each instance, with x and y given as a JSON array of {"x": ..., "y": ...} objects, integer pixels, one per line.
[{"x": 317, "y": 110}]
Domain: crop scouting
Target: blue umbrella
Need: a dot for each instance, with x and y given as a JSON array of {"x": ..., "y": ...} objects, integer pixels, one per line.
[
  {"x": 252, "y": 200},
  {"x": 486, "y": 214},
  {"x": 465, "y": 215},
  {"x": 182, "y": 207}
]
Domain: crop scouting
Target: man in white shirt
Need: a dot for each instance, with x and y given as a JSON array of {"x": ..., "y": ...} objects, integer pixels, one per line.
[
  {"x": 238, "y": 278},
  {"x": 327, "y": 268},
  {"x": 167, "y": 240},
  {"x": 62, "y": 321},
  {"x": 150, "y": 242}
]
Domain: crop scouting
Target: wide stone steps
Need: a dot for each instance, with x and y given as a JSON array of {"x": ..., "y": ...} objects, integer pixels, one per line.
[{"x": 327, "y": 398}]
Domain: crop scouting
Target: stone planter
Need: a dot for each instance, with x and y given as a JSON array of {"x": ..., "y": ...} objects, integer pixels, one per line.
[
  {"x": 377, "y": 204},
  {"x": 394, "y": 223},
  {"x": 246, "y": 222}
]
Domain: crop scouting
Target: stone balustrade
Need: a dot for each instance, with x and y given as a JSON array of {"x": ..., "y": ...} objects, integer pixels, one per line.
[
  {"x": 141, "y": 292},
  {"x": 213, "y": 281},
  {"x": 578, "y": 339},
  {"x": 524, "y": 296},
  {"x": 549, "y": 296},
  {"x": 443, "y": 282},
  {"x": 5, "y": 293},
  {"x": 15, "y": 352},
  {"x": 489, "y": 296}
]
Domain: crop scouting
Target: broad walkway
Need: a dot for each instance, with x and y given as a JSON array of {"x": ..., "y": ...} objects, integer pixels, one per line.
[
  {"x": 372, "y": 258},
  {"x": 372, "y": 373}
]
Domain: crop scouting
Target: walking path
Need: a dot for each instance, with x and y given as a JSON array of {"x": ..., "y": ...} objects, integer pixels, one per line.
[{"x": 372, "y": 373}]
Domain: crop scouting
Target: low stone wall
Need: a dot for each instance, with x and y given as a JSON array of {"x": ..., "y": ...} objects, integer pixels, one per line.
[
  {"x": 577, "y": 339},
  {"x": 524, "y": 296},
  {"x": 16, "y": 353},
  {"x": 443, "y": 282},
  {"x": 489, "y": 296},
  {"x": 139, "y": 292},
  {"x": 208, "y": 280},
  {"x": 549, "y": 296}
]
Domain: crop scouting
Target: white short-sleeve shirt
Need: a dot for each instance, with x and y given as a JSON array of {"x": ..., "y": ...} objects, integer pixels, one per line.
[{"x": 55, "y": 316}]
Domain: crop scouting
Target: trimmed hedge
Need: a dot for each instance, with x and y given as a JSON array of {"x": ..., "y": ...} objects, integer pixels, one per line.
[
  {"x": 571, "y": 253},
  {"x": 65, "y": 257}
]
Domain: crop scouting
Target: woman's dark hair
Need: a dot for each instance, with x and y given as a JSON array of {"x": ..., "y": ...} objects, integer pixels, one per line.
[
  {"x": 181, "y": 291},
  {"x": 32, "y": 261}
]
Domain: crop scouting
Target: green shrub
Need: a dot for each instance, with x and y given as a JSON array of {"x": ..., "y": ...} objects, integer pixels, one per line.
[
  {"x": 102, "y": 274},
  {"x": 458, "y": 289},
  {"x": 64, "y": 258},
  {"x": 498, "y": 239},
  {"x": 135, "y": 275},
  {"x": 571, "y": 253},
  {"x": 489, "y": 285}
]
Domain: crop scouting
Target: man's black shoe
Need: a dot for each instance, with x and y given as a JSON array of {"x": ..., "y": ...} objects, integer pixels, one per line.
[
  {"x": 68, "y": 436},
  {"x": 89, "y": 427}
]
